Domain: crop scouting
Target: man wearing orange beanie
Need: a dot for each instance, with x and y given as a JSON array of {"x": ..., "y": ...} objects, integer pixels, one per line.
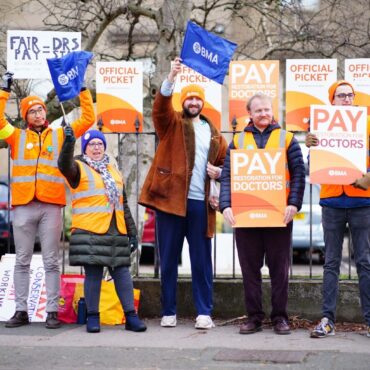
[
  {"x": 38, "y": 193},
  {"x": 342, "y": 205},
  {"x": 190, "y": 153}
]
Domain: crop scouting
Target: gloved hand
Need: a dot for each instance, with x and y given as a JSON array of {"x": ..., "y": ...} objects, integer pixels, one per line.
[
  {"x": 7, "y": 81},
  {"x": 311, "y": 140},
  {"x": 69, "y": 134},
  {"x": 363, "y": 183},
  {"x": 133, "y": 243}
]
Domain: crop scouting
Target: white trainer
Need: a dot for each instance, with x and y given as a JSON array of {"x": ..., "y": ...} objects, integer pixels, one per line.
[
  {"x": 204, "y": 322},
  {"x": 169, "y": 321}
]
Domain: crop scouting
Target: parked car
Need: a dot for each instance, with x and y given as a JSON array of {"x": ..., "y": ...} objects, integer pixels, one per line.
[
  {"x": 6, "y": 229},
  {"x": 148, "y": 237},
  {"x": 301, "y": 225}
]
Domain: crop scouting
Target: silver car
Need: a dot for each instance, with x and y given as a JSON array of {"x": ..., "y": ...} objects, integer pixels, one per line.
[{"x": 301, "y": 225}]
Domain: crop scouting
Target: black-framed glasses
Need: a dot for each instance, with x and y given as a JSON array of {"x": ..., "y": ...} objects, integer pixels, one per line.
[{"x": 343, "y": 96}]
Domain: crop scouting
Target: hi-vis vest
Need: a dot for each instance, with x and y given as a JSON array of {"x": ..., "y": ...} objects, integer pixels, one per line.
[
  {"x": 279, "y": 138},
  {"x": 91, "y": 210},
  {"x": 35, "y": 172},
  {"x": 329, "y": 191}
]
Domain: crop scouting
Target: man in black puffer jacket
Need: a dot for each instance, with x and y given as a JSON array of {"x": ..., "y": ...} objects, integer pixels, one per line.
[{"x": 254, "y": 243}]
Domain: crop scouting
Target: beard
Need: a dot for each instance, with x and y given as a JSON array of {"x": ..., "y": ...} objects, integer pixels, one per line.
[{"x": 189, "y": 114}]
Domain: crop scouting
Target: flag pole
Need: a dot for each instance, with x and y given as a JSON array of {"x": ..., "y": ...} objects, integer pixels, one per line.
[{"x": 64, "y": 114}]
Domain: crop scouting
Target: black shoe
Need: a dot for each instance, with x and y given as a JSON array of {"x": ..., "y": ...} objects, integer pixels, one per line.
[
  {"x": 20, "y": 318},
  {"x": 52, "y": 321}
]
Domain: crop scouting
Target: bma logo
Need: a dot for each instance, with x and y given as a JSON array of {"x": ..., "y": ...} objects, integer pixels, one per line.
[
  {"x": 199, "y": 49},
  {"x": 64, "y": 78}
]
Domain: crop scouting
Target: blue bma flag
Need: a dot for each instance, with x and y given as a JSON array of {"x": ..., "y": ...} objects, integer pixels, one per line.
[
  {"x": 68, "y": 73},
  {"x": 206, "y": 53}
]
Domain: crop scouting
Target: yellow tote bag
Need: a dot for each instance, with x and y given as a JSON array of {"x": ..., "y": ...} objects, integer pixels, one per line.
[{"x": 111, "y": 312}]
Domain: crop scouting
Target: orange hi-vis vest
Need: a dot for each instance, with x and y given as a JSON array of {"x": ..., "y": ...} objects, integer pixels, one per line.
[
  {"x": 91, "y": 210},
  {"x": 35, "y": 172},
  {"x": 330, "y": 191},
  {"x": 279, "y": 138}
]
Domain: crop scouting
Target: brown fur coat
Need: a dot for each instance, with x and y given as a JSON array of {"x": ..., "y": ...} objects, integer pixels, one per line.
[{"x": 166, "y": 186}]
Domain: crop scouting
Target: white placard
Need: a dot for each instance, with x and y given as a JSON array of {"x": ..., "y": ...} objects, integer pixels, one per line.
[
  {"x": 37, "y": 293},
  {"x": 27, "y": 51}
]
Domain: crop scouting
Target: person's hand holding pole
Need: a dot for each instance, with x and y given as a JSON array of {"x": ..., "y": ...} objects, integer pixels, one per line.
[{"x": 175, "y": 69}]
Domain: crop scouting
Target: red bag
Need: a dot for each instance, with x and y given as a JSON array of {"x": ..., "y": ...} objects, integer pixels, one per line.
[{"x": 71, "y": 289}]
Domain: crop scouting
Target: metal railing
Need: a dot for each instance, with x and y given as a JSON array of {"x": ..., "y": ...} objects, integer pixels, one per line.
[{"x": 310, "y": 269}]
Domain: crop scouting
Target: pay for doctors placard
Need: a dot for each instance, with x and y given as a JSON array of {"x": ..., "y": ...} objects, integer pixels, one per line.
[
  {"x": 258, "y": 187},
  {"x": 341, "y": 156}
]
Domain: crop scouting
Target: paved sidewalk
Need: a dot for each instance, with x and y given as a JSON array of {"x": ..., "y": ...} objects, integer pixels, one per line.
[{"x": 183, "y": 347}]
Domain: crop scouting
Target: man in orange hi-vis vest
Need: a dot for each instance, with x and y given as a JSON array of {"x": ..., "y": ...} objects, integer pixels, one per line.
[
  {"x": 342, "y": 205},
  {"x": 38, "y": 193},
  {"x": 254, "y": 244}
]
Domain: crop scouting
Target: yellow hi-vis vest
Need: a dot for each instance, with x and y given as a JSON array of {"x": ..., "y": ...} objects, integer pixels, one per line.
[
  {"x": 279, "y": 138},
  {"x": 91, "y": 210},
  {"x": 333, "y": 190}
]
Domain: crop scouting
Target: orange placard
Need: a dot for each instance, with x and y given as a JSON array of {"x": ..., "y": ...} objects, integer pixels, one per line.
[
  {"x": 258, "y": 187},
  {"x": 120, "y": 96},
  {"x": 307, "y": 83},
  {"x": 341, "y": 156},
  {"x": 247, "y": 78}
]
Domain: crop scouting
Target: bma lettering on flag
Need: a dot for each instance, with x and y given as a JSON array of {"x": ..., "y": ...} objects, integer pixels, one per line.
[
  {"x": 341, "y": 156},
  {"x": 206, "y": 53},
  {"x": 27, "y": 51},
  {"x": 258, "y": 187}
]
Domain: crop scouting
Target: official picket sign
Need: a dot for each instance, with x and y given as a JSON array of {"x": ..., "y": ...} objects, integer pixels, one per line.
[
  {"x": 212, "y": 91},
  {"x": 247, "y": 78},
  {"x": 37, "y": 292},
  {"x": 357, "y": 72},
  {"x": 119, "y": 87},
  {"x": 258, "y": 187},
  {"x": 27, "y": 51},
  {"x": 341, "y": 156},
  {"x": 307, "y": 83}
]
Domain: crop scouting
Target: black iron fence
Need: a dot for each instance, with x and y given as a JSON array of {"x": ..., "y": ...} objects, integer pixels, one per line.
[{"x": 307, "y": 251}]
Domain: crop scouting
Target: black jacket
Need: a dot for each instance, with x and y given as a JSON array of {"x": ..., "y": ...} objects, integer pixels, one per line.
[
  {"x": 88, "y": 248},
  {"x": 295, "y": 165}
]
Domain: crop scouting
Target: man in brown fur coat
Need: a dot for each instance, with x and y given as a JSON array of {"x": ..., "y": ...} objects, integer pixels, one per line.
[{"x": 190, "y": 153}]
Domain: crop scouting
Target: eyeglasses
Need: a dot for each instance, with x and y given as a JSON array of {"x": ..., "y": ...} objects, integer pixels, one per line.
[
  {"x": 98, "y": 144},
  {"x": 344, "y": 96},
  {"x": 33, "y": 112}
]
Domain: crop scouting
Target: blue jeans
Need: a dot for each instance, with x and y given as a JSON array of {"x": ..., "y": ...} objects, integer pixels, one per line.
[
  {"x": 172, "y": 230},
  {"x": 334, "y": 221},
  {"x": 122, "y": 283}
]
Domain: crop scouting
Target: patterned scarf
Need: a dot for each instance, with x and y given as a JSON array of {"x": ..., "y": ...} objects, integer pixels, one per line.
[{"x": 111, "y": 189}]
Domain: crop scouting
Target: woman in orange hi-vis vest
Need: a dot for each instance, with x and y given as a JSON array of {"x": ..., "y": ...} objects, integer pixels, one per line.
[
  {"x": 38, "y": 193},
  {"x": 342, "y": 205},
  {"x": 103, "y": 230}
]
